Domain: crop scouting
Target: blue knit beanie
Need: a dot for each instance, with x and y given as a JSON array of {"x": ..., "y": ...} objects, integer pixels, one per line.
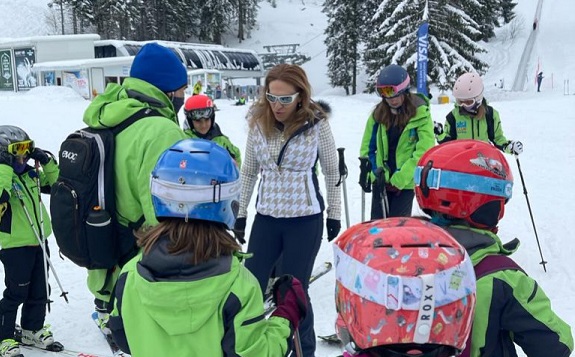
[{"x": 160, "y": 67}]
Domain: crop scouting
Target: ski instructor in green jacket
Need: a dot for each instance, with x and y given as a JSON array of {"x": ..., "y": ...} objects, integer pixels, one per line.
[
  {"x": 397, "y": 133},
  {"x": 157, "y": 81}
]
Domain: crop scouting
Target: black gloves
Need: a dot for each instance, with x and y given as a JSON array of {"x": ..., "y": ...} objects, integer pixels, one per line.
[
  {"x": 6, "y": 158},
  {"x": 333, "y": 226},
  {"x": 40, "y": 155},
  {"x": 240, "y": 230},
  {"x": 364, "y": 170}
]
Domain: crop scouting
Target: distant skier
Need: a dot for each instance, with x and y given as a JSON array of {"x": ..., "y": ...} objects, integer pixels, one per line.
[
  {"x": 197, "y": 88},
  {"x": 241, "y": 100},
  {"x": 464, "y": 186},
  {"x": 539, "y": 80}
]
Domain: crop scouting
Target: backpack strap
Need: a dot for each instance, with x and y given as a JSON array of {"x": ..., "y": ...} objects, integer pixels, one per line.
[
  {"x": 490, "y": 264},
  {"x": 452, "y": 128},
  {"x": 140, "y": 114},
  {"x": 490, "y": 123}
]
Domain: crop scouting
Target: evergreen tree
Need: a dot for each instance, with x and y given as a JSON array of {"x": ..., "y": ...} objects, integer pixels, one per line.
[
  {"x": 507, "y": 10},
  {"x": 215, "y": 18},
  {"x": 247, "y": 11},
  {"x": 452, "y": 33},
  {"x": 342, "y": 41}
]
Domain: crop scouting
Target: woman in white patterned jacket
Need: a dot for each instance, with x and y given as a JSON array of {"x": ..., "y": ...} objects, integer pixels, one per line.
[{"x": 288, "y": 134}]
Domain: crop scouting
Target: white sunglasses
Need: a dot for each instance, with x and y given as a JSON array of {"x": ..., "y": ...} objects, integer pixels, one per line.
[{"x": 283, "y": 99}]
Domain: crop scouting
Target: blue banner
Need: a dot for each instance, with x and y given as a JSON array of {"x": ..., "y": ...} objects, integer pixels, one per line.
[{"x": 422, "y": 51}]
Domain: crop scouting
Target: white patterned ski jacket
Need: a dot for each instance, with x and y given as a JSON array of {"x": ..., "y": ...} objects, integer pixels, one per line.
[{"x": 288, "y": 175}]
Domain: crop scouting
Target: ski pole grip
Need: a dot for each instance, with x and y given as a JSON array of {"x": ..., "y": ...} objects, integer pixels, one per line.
[{"x": 342, "y": 167}]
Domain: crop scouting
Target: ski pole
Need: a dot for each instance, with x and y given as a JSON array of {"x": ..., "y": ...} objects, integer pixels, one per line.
[
  {"x": 543, "y": 261},
  {"x": 297, "y": 344},
  {"x": 342, "y": 178},
  {"x": 21, "y": 199},
  {"x": 41, "y": 232},
  {"x": 364, "y": 170},
  {"x": 380, "y": 174}
]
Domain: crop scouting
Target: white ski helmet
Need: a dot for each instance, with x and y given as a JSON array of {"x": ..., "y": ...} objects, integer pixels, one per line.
[{"x": 468, "y": 86}]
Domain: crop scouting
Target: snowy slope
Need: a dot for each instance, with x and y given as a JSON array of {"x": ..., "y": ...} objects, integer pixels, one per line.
[{"x": 49, "y": 114}]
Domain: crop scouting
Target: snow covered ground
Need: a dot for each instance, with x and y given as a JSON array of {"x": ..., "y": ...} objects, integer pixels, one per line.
[{"x": 544, "y": 122}]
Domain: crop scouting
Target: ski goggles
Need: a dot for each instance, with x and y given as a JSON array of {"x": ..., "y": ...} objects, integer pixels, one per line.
[
  {"x": 21, "y": 148},
  {"x": 283, "y": 99},
  {"x": 465, "y": 102},
  {"x": 389, "y": 91},
  {"x": 199, "y": 114}
]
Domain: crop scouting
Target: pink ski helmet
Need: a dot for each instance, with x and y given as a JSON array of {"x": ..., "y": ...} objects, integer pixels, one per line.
[
  {"x": 404, "y": 284},
  {"x": 468, "y": 90}
]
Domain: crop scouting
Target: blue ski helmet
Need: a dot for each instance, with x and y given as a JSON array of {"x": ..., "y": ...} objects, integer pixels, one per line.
[
  {"x": 392, "y": 81},
  {"x": 196, "y": 179}
]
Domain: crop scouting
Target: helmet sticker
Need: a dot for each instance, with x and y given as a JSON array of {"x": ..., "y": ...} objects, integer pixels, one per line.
[{"x": 492, "y": 165}]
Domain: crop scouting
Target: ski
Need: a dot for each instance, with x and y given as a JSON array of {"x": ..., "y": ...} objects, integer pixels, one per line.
[
  {"x": 316, "y": 274},
  {"x": 321, "y": 271},
  {"x": 63, "y": 351},
  {"x": 331, "y": 339},
  {"x": 116, "y": 351}
]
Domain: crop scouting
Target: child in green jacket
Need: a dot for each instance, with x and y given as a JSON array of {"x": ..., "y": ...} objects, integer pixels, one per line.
[
  {"x": 397, "y": 133},
  {"x": 464, "y": 186},
  {"x": 201, "y": 123},
  {"x": 24, "y": 226},
  {"x": 187, "y": 293}
]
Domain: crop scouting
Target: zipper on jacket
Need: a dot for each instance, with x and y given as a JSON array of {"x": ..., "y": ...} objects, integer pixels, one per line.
[{"x": 308, "y": 196}]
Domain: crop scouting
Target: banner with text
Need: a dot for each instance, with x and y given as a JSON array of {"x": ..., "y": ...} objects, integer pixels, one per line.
[
  {"x": 422, "y": 55},
  {"x": 6, "y": 70}
]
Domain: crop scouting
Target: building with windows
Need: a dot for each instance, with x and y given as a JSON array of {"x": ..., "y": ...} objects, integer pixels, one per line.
[{"x": 87, "y": 64}]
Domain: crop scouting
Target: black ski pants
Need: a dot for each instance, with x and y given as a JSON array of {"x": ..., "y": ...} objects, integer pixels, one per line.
[
  {"x": 26, "y": 286},
  {"x": 297, "y": 241},
  {"x": 400, "y": 203}
]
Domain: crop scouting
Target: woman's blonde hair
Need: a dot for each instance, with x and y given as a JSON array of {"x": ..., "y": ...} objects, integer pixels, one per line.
[
  {"x": 262, "y": 114},
  {"x": 204, "y": 240},
  {"x": 383, "y": 115}
]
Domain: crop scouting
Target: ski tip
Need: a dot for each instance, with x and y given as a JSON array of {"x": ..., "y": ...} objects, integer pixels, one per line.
[{"x": 331, "y": 339}]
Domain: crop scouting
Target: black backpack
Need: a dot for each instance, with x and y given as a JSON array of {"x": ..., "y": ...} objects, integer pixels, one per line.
[{"x": 83, "y": 202}]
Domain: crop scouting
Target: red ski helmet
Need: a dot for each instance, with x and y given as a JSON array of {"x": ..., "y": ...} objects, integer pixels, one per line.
[
  {"x": 198, "y": 107},
  {"x": 404, "y": 284},
  {"x": 465, "y": 179}
]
